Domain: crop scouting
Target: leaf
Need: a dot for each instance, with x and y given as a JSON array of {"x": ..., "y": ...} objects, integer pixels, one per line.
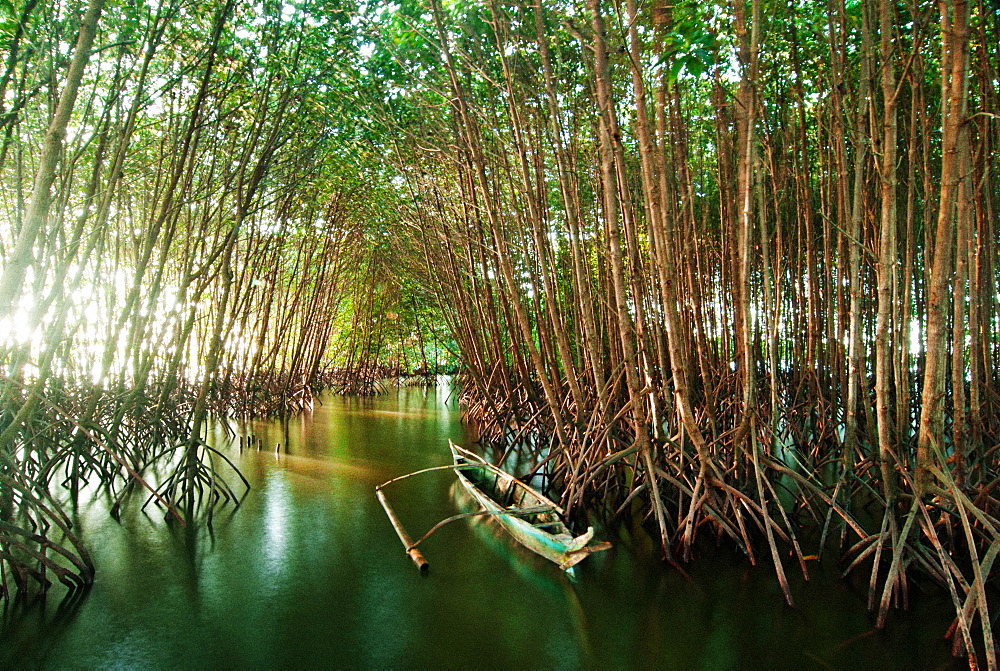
[
  {"x": 694, "y": 66},
  {"x": 675, "y": 70},
  {"x": 8, "y": 18}
]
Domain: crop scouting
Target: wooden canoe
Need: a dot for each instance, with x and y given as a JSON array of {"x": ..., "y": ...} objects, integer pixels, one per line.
[{"x": 531, "y": 518}]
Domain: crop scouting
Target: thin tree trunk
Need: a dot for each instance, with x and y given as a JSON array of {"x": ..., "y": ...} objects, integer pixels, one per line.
[
  {"x": 887, "y": 288},
  {"x": 954, "y": 58}
]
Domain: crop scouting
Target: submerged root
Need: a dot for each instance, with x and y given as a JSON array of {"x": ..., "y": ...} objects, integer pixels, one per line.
[
  {"x": 195, "y": 482},
  {"x": 765, "y": 494},
  {"x": 86, "y": 441},
  {"x": 36, "y": 540}
]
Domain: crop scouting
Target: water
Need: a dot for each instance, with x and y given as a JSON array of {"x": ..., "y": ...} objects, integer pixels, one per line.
[{"x": 309, "y": 573}]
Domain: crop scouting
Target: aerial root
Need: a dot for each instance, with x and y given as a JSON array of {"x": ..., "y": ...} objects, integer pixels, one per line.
[
  {"x": 195, "y": 482},
  {"x": 28, "y": 552}
]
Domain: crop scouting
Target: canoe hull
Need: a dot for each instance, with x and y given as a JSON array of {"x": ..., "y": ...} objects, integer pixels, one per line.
[{"x": 542, "y": 532}]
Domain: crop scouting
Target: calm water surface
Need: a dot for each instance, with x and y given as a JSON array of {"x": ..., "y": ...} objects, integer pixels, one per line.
[{"x": 309, "y": 573}]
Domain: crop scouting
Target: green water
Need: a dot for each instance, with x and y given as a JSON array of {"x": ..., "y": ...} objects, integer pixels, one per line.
[{"x": 309, "y": 573}]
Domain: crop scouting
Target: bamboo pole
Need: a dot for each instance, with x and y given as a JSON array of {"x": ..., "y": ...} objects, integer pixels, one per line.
[{"x": 413, "y": 553}]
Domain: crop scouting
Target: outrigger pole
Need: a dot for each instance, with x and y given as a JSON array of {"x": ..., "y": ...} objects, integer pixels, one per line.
[{"x": 411, "y": 551}]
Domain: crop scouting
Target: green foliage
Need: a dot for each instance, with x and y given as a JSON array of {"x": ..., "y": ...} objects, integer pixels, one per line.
[
  {"x": 8, "y": 19},
  {"x": 690, "y": 44}
]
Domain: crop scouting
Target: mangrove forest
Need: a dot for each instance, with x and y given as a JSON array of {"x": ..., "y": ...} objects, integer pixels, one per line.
[{"x": 726, "y": 272}]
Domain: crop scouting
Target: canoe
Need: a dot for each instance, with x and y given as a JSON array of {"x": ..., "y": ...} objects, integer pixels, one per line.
[{"x": 532, "y": 519}]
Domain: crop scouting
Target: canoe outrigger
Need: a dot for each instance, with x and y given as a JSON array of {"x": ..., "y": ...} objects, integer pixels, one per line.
[
  {"x": 532, "y": 519},
  {"x": 507, "y": 499}
]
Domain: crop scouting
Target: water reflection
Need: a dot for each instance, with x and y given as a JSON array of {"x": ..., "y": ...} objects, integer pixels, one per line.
[
  {"x": 276, "y": 508},
  {"x": 308, "y": 573},
  {"x": 575, "y": 650}
]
